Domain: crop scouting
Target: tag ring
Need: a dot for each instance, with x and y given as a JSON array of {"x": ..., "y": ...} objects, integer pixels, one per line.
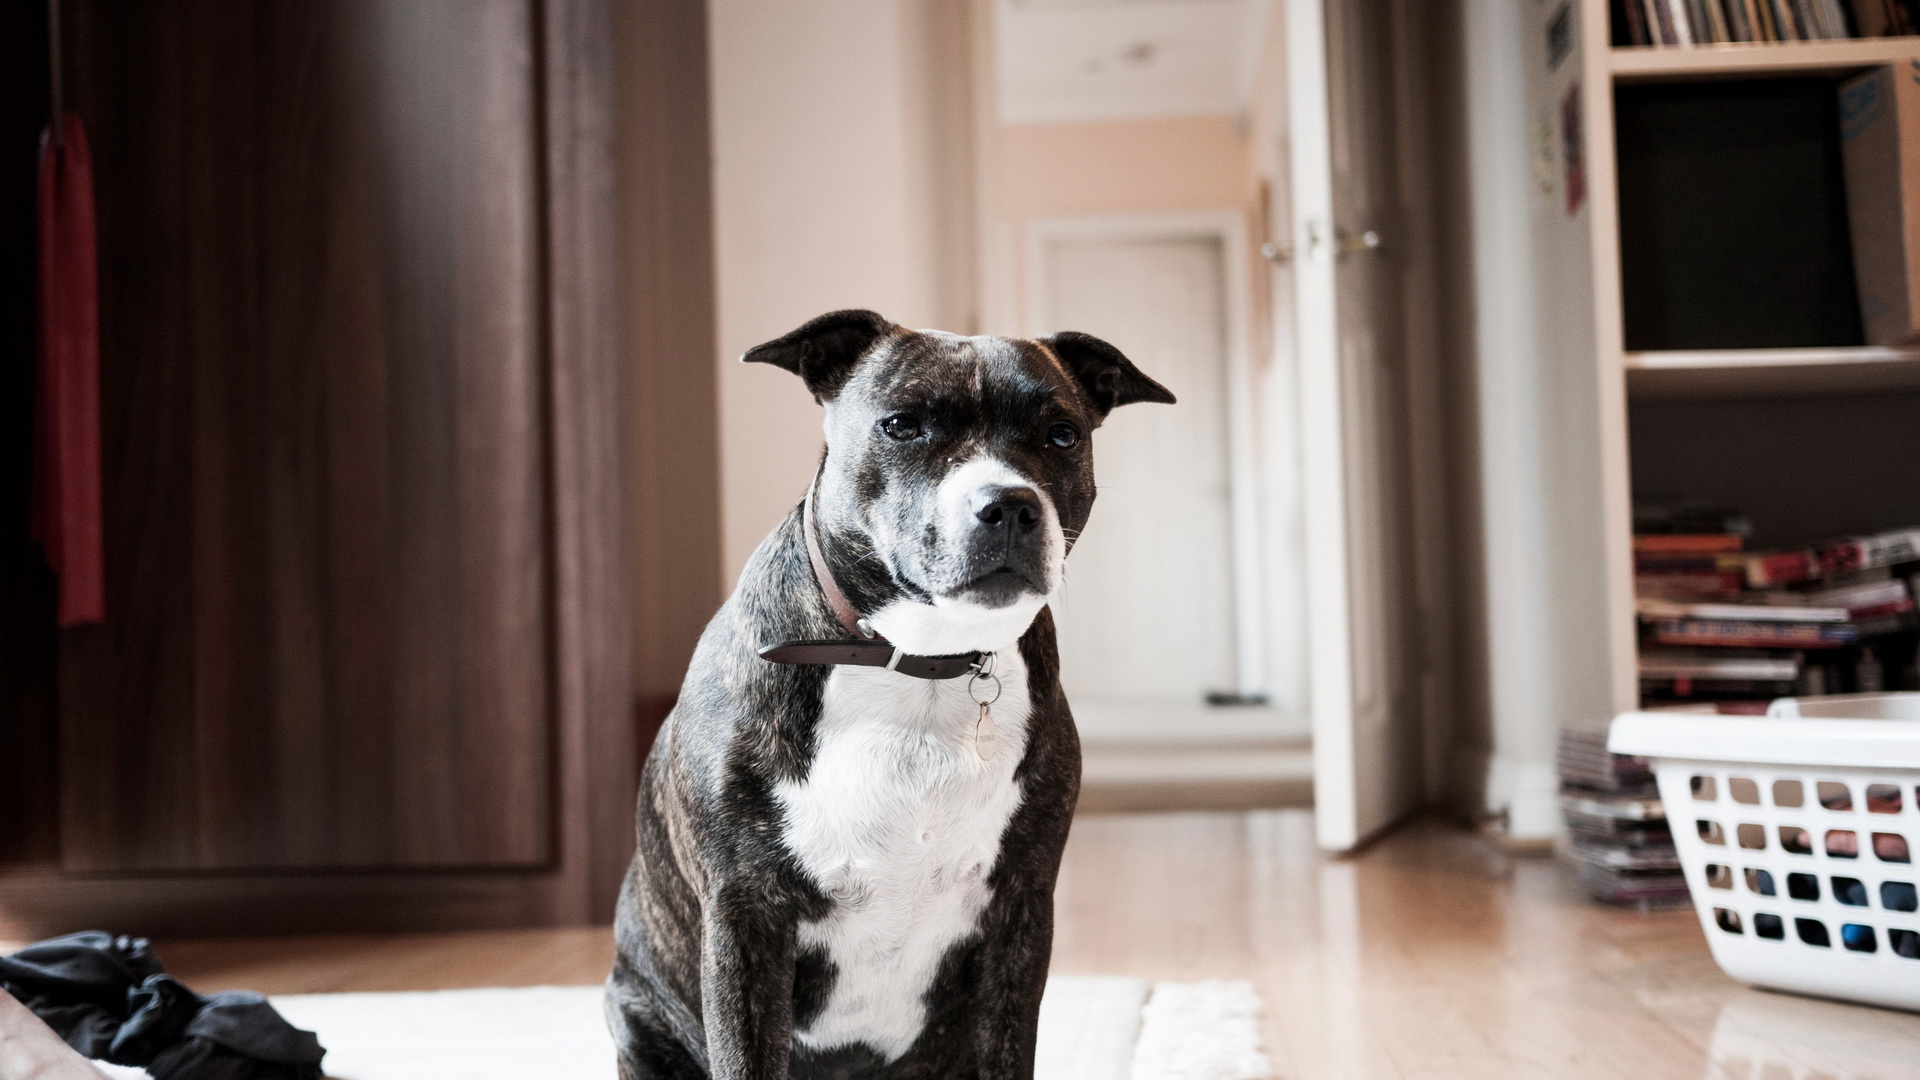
[
  {"x": 984, "y": 670},
  {"x": 995, "y": 679}
]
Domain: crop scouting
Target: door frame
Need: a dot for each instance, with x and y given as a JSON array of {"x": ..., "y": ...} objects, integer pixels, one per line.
[{"x": 1230, "y": 228}]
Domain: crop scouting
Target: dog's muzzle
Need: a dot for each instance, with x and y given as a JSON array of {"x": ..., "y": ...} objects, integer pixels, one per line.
[{"x": 1005, "y": 545}]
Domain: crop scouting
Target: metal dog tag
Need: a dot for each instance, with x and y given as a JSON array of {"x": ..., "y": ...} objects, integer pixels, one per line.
[{"x": 984, "y": 739}]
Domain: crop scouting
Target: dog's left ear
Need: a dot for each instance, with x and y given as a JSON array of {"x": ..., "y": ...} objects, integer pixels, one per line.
[
  {"x": 1109, "y": 377},
  {"x": 823, "y": 351}
]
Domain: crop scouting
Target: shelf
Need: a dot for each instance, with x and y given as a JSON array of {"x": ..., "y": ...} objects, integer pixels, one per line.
[
  {"x": 1771, "y": 372},
  {"x": 1642, "y": 63}
]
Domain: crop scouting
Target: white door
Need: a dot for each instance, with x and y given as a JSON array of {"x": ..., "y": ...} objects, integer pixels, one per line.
[
  {"x": 1352, "y": 356},
  {"x": 1149, "y": 598},
  {"x": 1152, "y": 620}
]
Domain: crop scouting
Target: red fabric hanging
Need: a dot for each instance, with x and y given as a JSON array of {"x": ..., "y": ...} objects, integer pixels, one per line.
[{"x": 66, "y": 514}]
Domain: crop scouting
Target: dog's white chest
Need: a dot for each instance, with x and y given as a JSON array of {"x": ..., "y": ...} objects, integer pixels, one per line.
[{"x": 899, "y": 822}]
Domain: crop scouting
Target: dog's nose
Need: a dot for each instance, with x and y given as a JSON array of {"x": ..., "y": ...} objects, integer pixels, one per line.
[{"x": 1014, "y": 510}]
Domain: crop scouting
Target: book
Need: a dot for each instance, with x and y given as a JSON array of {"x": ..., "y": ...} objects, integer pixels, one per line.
[
  {"x": 1753, "y": 633},
  {"x": 1582, "y": 760},
  {"x": 1881, "y": 549},
  {"x": 1634, "y": 17},
  {"x": 1647, "y": 888},
  {"x": 1622, "y": 831},
  {"x": 1827, "y": 21},
  {"x": 1879, "y": 613},
  {"x": 1674, "y": 26},
  {"x": 1871, "y": 17},
  {"x": 1740, "y": 19},
  {"x": 1717, "y": 19},
  {"x": 1730, "y": 567},
  {"x": 1689, "y": 562},
  {"x": 1693, "y": 585},
  {"x": 1687, "y": 543},
  {"x": 1768, "y": 22},
  {"x": 1745, "y": 704},
  {"x": 1769, "y": 571},
  {"x": 1866, "y": 600},
  {"x": 1858, "y": 594},
  {"x": 1696, "y": 519},
  {"x": 1716, "y": 664},
  {"x": 1659, "y": 27},
  {"x": 1783, "y": 21},
  {"x": 1616, "y": 825},
  {"x": 1726, "y": 697},
  {"x": 1806, "y": 14},
  {"x": 1623, "y": 807},
  {"x": 1657, "y": 609},
  {"x": 1882, "y": 625},
  {"x": 1879, "y": 121},
  {"x": 1621, "y": 856},
  {"x": 1725, "y": 630}
]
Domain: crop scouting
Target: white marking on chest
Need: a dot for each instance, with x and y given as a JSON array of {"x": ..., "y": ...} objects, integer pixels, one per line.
[{"x": 899, "y": 822}]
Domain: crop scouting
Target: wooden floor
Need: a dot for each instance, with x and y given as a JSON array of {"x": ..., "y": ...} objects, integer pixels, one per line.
[{"x": 1431, "y": 954}]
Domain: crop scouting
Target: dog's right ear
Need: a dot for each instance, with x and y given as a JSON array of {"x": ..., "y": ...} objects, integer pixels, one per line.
[{"x": 823, "y": 351}]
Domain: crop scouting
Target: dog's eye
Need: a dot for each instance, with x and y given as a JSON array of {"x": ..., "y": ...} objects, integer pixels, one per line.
[
  {"x": 1063, "y": 435},
  {"x": 901, "y": 427}
]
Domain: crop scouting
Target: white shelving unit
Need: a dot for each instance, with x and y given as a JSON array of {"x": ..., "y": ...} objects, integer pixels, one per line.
[
  {"x": 1577, "y": 259},
  {"x": 1666, "y": 64},
  {"x": 1769, "y": 372}
]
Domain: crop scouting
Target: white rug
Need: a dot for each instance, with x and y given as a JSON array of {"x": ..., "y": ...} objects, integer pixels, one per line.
[{"x": 1091, "y": 1028}]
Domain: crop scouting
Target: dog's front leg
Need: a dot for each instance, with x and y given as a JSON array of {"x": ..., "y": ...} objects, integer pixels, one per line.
[
  {"x": 746, "y": 981},
  {"x": 1010, "y": 975}
]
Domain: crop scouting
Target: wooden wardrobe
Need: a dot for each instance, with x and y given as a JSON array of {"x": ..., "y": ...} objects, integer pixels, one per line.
[{"x": 365, "y": 662}]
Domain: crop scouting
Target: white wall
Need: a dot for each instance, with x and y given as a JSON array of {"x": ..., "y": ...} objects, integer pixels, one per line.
[
  {"x": 1542, "y": 461},
  {"x": 837, "y": 178},
  {"x": 1520, "y": 777}
]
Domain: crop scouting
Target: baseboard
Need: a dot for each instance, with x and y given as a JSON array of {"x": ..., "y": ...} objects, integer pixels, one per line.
[
  {"x": 41, "y": 902},
  {"x": 1133, "y": 776}
]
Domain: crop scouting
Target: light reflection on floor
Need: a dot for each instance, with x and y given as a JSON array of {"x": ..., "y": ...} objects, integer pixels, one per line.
[{"x": 1433, "y": 954}]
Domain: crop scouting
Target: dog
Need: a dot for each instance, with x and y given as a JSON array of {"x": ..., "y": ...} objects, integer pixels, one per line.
[{"x": 850, "y": 825}]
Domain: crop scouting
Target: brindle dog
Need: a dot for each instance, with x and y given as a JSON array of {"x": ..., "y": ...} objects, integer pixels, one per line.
[{"x": 839, "y": 874}]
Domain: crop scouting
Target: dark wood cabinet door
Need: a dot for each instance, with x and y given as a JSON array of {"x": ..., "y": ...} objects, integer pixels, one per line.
[{"x": 329, "y": 639}]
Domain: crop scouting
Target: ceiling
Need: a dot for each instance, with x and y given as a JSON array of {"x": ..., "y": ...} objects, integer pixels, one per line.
[{"x": 1067, "y": 60}]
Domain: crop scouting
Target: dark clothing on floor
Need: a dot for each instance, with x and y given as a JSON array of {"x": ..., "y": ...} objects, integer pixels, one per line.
[{"x": 110, "y": 999}]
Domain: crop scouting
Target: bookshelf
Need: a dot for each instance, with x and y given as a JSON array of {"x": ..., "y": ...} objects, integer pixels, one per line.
[
  {"x": 1691, "y": 373},
  {"x": 1635, "y": 64},
  {"x": 1799, "y": 433}
]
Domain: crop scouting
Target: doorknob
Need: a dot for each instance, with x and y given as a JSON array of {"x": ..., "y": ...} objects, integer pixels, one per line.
[
  {"x": 1273, "y": 252},
  {"x": 1366, "y": 241}
]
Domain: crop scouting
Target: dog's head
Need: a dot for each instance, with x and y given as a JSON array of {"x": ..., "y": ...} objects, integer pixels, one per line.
[{"x": 958, "y": 470}]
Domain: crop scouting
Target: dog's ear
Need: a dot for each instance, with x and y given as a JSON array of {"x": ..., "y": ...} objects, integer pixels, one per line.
[
  {"x": 1109, "y": 377},
  {"x": 823, "y": 351}
]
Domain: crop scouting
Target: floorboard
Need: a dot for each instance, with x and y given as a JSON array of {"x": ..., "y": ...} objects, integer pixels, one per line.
[{"x": 1431, "y": 954}]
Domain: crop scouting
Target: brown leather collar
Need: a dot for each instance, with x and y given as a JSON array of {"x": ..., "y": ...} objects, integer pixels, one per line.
[
  {"x": 836, "y": 596},
  {"x": 866, "y": 648}
]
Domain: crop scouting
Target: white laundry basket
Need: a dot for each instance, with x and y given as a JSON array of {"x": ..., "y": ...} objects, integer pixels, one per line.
[{"x": 1798, "y": 832}]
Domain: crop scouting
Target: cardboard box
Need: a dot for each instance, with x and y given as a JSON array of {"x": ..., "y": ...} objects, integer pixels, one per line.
[{"x": 1880, "y": 144}]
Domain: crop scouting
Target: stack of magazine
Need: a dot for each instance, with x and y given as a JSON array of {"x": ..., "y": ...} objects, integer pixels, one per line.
[
  {"x": 1734, "y": 629},
  {"x": 1616, "y": 825}
]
